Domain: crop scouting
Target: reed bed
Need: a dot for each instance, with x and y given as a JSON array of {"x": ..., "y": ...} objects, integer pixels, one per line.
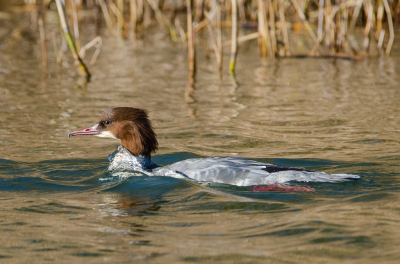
[{"x": 333, "y": 27}]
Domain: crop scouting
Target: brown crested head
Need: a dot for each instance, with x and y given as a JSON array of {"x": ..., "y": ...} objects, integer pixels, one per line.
[{"x": 132, "y": 126}]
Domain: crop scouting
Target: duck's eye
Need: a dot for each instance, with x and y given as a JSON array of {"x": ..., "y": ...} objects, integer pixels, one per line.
[{"x": 107, "y": 122}]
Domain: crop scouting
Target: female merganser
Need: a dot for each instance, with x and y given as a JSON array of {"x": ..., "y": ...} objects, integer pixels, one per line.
[{"x": 138, "y": 140}]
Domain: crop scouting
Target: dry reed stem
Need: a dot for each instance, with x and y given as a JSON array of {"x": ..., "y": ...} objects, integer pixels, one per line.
[
  {"x": 391, "y": 30},
  {"x": 368, "y": 26},
  {"x": 61, "y": 12},
  {"x": 320, "y": 19},
  {"x": 113, "y": 17},
  {"x": 199, "y": 10},
  {"x": 242, "y": 39},
  {"x": 107, "y": 17},
  {"x": 172, "y": 12},
  {"x": 200, "y": 25},
  {"x": 380, "y": 41},
  {"x": 162, "y": 19},
  {"x": 353, "y": 46},
  {"x": 120, "y": 18},
  {"x": 355, "y": 14},
  {"x": 332, "y": 28},
  {"x": 337, "y": 37},
  {"x": 76, "y": 25},
  {"x": 272, "y": 24},
  {"x": 133, "y": 11},
  {"x": 284, "y": 28},
  {"x": 140, "y": 16},
  {"x": 181, "y": 31},
  {"x": 232, "y": 62},
  {"x": 269, "y": 44},
  {"x": 262, "y": 28},
  {"x": 345, "y": 21},
  {"x": 97, "y": 42},
  {"x": 241, "y": 8},
  {"x": 379, "y": 16},
  {"x": 396, "y": 12},
  {"x": 332, "y": 23},
  {"x": 327, "y": 12},
  {"x": 303, "y": 18}
]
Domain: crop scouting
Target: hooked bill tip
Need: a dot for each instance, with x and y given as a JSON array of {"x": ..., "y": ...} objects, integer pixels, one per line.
[{"x": 70, "y": 134}]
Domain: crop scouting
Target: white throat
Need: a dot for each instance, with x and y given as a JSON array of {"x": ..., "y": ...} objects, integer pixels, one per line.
[{"x": 106, "y": 134}]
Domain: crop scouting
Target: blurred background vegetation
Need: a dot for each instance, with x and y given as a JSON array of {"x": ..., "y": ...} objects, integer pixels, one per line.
[{"x": 348, "y": 29}]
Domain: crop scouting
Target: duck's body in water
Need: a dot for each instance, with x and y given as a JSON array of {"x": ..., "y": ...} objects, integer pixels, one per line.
[{"x": 133, "y": 128}]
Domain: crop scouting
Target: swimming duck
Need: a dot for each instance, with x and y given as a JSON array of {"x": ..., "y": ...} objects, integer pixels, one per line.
[{"x": 138, "y": 140}]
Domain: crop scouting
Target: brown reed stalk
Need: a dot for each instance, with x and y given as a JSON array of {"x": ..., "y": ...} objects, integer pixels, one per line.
[
  {"x": 162, "y": 19},
  {"x": 61, "y": 12},
  {"x": 331, "y": 25},
  {"x": 272, "y": 24},
  {"x": 303, "y": 18},
  {"x": 269, "y": 42},
  {"x": 242, "y": 39},
  {"x": 76, "y": 25},
  {"x": 355, "y": 15},
  {"x": 284, "y": 28},
  {"x": 379, "y": 16},
  {"x": 337, "y": 36},
  {"x": 335, "y": 23},
  {"x": 320, "y": 19},
  {"x": 199, "y": 13},
  {"x": 107, "y": 17},
  {"x": 181, "y": 31},
  {"x": 380, "y": 41},
  {"x": 133, "y": 11},
  {"x": 89, "y": 4},
  {"x": 328, "y": 12},
  {"x": 390, "y": 24},
  {"x": 332, "y": 29},
  {"x": 232, "y": 62},
  {"x": 140, "y": 17},
  {"x": 97, "y": 42},
  {"x": 368, "y": 26},
  {"x": 120, "y": 17},
  {"x": 172, "y": 12},
  {"x": 396, "y": 13},
  {"x": 345, "y": 22},
  {"x": 262, "y": 28},
  {"x": 241, "y": 8},
  {"x": 191, "y": 43},
  {"x": 113, "y": 15}
]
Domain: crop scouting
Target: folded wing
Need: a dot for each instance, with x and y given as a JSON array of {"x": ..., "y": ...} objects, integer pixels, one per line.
[{"x": 244, "y": 172}]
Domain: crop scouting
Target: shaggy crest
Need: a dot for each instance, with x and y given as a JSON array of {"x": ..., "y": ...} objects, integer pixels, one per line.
[{"x": 133, "y": 127}]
